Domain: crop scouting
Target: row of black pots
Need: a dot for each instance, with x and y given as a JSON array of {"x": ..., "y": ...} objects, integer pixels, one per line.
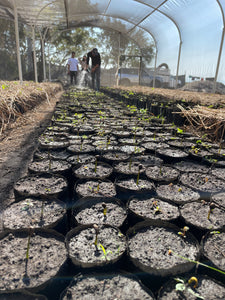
[
  {"x": 100, "y": 249},
  {"x": 34, "y": 254}
]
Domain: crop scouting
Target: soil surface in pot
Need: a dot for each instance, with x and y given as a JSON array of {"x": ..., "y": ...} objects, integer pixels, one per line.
[
  {"x": 207, "y": 288},
  {"x": 95, "y": 188},
  {"x": 81, "y": 159},
  {"x": 46, "y": 255},
  {"x": 213, "y": 248},
  {"x": 114, "y": 287},
  {"x": 148, "y": 248},
  {"x": 92, "y": 170},
  {"x": 87, "y": 251},
  {"x": 162, "y": 173},
  {"x": 40, "y": 186},
  {"x": 21, "y": 296},
  {"x": 33, "y": 213},
  {"x": 202, "y": 182},
  {"x": 153, "y": 208},
  {"x": 200, "y": 215},
  {"x": 129, "y": 168},
  {"x": 171, "y": 153},
  {"x": 130, "y": 185},
  {"x": 191, "y": 166},
  {"x": 49, "y": 166},
  {"x": 102, "y": 210},
  {"x": 177, "y": 193}
]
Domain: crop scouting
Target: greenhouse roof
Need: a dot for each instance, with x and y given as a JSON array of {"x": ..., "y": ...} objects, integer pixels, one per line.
[{"x": 187, "y": 28}]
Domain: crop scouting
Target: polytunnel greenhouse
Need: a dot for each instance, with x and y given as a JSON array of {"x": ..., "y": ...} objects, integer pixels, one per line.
[{"x": 112, "y": 171}]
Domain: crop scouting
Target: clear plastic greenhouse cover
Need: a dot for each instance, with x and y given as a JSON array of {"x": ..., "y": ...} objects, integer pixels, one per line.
[{"x": 188, "y": 34}]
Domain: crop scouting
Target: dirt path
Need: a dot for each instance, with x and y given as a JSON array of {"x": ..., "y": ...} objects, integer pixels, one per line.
[{"x": 18, "y": 146}]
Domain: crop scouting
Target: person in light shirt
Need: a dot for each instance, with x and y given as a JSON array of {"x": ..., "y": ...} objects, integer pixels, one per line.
[{"x": 73, "y": 68}]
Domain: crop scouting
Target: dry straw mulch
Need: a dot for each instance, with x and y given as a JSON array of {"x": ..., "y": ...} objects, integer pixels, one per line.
[
  {"x": 16, "y": 99},
  {"x": 206, "y": 120}
]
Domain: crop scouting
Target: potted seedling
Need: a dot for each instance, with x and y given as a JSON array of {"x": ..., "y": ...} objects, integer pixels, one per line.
[
  {"x": 140, "y": 167},
  {"x": 211, "y": 208}
]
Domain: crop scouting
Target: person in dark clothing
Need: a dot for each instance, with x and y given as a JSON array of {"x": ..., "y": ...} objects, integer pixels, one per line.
[{"x": 95, "y": 68}]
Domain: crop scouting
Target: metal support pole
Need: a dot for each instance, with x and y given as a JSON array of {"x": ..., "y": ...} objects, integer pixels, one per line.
[
  {"x": 49, "y": 64},
  {"x": 218, "y": 61},
  {"x": 178, "y": 64},
  {"x": 43, "y": 51},
  {"x": 118, "y": 61},
  {"x": 155, "y": 68},
  {"x": 139, "y": 71},
  {"x": 34, "y": 55},
  {"x": 43, "y": 58},
  {"x": 17, "y": 42}
]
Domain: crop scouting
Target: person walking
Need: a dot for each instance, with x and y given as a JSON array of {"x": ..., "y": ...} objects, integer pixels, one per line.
[
  {"x": 95, "y": 68},
  {"x": 73, "y": 68}
]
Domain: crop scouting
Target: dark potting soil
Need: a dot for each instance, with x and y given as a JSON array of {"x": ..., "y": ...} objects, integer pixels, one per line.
[
  {"x": 49, "y": 166},
  {"x": 152, "y": 146},
  {"x": 130, "y": 185},
  {"x": 132, "y": 149},
  {"x": 74, "y": 160},
  {"x": 30, "y": 266},
  {"x": 200, "y": 215},
  {"x": 47, "y": 143},
  {"x": 80, "y": 149},
  {"x": 219, "y": 199},
  {"x": 162, "y": 173},
  {"x": 130, "y": 141},
  {"x": 53, "y": 154},
  {"x": 181, "y": 144},
  {"x": 95, "y": 188},
  {"x": 148, "y": 160},
  {"x": 129, "y": 167},
  {"x": 93, "y": 170},
  {"x": 219, "y": 172},
  {"x": 176, "y": 193},
  {"x": 115, "y": 156},
  {"x": 213, "y": 248},
  {"x": 21, "y": 296},
  {"x": 148, "y": 248},
  {"x": 153, "y": 208},
  {"x": 203, "y": 182},
  {"x": 191, "y": 166},
  {"x": 102, "y": 210},
  {"x": 207, "y": 288},
  {"x": 171, "y": 153},
  {"x": 106, "y": 287},
  {"x": 87, "y": 251},
  {"x": 40, "y": 186},
  {"x": 33, "y": 213}
]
